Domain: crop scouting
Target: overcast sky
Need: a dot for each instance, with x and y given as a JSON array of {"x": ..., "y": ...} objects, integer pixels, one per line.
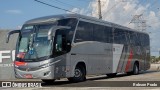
[{"x": 13, "y": 13}]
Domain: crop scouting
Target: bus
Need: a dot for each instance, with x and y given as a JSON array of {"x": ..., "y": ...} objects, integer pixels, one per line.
[{"x": 73, "y": 46}]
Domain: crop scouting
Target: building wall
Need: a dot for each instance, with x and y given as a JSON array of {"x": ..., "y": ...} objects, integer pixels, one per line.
[{"x": 7, "y": 55}]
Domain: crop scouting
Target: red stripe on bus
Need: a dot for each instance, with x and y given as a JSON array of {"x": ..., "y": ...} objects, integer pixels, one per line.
[{"x": 129, "y": 60}]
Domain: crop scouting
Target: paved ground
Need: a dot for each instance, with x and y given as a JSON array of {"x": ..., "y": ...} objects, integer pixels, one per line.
[{"x": 151, "y": 76}]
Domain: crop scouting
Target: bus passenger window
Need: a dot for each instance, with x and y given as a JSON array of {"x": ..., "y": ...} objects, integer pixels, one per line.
[{"x": 59, "y": 43}]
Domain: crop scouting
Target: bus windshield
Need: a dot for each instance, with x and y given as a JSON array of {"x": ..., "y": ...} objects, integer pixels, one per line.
[{"x": 34, "y": 43}]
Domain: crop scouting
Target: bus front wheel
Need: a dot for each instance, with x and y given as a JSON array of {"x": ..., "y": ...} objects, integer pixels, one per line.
[{"x": 79, "y": 74}]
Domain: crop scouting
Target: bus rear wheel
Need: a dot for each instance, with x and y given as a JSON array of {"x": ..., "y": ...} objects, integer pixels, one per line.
[
  {"x": 79, "y": 74},
  {"x": 48, "y": 81},
  {"x": 135, "y": 70}
]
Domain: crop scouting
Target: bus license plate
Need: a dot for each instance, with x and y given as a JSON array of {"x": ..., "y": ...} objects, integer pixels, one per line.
[{"x": 28, "y": 76}]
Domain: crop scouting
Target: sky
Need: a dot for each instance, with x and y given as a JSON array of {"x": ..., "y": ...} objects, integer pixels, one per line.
[{"x": 14, "y": 13}]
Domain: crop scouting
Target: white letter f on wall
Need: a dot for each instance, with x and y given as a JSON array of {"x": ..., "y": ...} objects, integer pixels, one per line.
[{"x": 4, "y": 52}]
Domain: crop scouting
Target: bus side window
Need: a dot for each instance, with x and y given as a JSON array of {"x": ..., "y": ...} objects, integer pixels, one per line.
[
  {"x": 66, "y": 44},
  {"x": 120, "y": 36},
  {"x": 84, "y": 32},
  {"x": 98, "y": 33},
  {"x": 132, "y": 38},
  {"x": 59, "y": 43},
  {"x": 138, "y": 38},
  {"x": 108, "y": 35}
]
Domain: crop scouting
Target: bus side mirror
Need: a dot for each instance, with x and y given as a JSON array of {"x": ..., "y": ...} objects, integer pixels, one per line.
[
  {"x": 10, "y": 33},
  {"x": 50, "y": 34}
]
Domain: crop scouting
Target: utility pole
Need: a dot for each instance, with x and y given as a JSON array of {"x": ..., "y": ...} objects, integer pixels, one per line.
[{"x": 99, "y": 9}]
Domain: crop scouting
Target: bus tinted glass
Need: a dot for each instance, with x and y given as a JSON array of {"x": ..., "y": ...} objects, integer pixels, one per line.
[
  {"x": 108, "y": 34},
  {"x": 71, "y": 22},
  {"x": 120, "y": 36},
  {"x": 93, "y": 32},
  {"x": 84, "y": 32},
  {"x": 98, "y": 33}
]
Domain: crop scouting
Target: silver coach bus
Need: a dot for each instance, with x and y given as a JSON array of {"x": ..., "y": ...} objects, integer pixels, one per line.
[{"x": 73, "y": 46}]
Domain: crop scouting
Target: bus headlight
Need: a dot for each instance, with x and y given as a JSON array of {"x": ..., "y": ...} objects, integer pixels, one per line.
[{"x": 47, "y": 65}]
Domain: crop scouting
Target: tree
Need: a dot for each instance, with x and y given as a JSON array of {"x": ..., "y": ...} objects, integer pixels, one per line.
[{"x": 155, "y": 59}]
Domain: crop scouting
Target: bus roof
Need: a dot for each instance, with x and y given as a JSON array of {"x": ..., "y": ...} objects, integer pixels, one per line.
[{"x": 52, "y": 18}]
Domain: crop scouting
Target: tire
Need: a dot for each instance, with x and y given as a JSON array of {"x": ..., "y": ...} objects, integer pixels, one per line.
[
  {"x": 135, "y": 69},
  {"x": 111, "y": 74},
  {"x": 79, "y": 74},
  {"x": 48, "y": 81}
]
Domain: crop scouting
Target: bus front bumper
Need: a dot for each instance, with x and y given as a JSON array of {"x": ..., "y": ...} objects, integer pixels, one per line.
[{"x": 43, "y": 73}]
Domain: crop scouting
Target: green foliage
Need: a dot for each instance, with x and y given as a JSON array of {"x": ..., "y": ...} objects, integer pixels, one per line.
[{"x": 155, "y": 59}]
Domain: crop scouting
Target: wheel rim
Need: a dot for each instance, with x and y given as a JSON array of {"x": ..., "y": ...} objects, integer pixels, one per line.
[
  {"x": 77, "y": 73},
  {"x": 136, "y": 70}
]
